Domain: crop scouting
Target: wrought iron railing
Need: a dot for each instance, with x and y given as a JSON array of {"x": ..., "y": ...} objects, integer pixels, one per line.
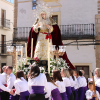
[
  {"x": 76, "y": 31},
  {"x": 4, "y": 23}
]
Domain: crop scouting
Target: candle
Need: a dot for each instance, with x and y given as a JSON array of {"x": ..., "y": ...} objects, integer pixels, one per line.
[
  {"x": 48, "y": 57},
  {"x": 21, "y": 57},
  {"x": 16, "y": 61},
  {"x": 31, "y": 48},
  {"x": 26, "y": 52}
]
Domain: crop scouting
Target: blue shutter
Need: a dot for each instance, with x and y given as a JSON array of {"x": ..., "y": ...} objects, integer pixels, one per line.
[{"x": 34, "y": 4}]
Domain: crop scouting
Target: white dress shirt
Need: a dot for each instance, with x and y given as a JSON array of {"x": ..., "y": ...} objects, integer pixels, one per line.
[
  {"x": 4, "y": 75},
  {"x": 90, "y": 93},
  {"x": 21, "y": 85},
  {"x": 2, "y": 86},
  {"x": 51, "y": 87},
  {"x": 40, "y": 80},
  {"x": 61, "y": 86},
  {"x": 66, "y": 81},
  {"x": 10, "y": 81},
  {"x": 82, "y": 82},
  {"x": 74, "y": 83},
  {"x": 97, "y": 83}
]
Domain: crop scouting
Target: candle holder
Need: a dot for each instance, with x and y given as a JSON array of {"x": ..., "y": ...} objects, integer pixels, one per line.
[
  {"x": 57, "y": 52},
  {"x": 14, "y": 52}
]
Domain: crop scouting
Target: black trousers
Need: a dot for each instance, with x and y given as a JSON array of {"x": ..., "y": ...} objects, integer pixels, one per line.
[
  {"x": 36, "y": 97},
  {"x": 4, "y": 95}
]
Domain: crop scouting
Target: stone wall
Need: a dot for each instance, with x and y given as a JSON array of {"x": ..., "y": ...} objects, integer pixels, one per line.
[{"x": 97, "y": 37}]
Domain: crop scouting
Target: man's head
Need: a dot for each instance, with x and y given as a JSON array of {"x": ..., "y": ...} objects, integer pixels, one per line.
[
  {"x": 9, "y": 69},
  {"x": 4, "y": 69}
]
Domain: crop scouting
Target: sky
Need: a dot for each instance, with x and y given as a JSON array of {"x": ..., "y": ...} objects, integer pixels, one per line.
[{"x": 10, "y": 1}]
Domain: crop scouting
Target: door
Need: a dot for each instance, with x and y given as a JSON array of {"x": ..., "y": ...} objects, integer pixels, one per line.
[
  {"x": 3, "y": 46},
  {"x": 55, "y": 18},
  {"x": 85, "y": 68},
  {"x": 3, "y": 17}
]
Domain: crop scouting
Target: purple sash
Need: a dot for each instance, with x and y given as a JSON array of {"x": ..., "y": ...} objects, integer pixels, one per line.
[
  {"x": 56, "y": 94},
  {"x": 64, "y": 96},
  {"x": 93, "y": 98},
  {"x": 37, "y": 90},
  {"x": 47, "y": 99},
  {"x": 81, "y": 93},
  {"x": 1, "y": 90},
  {"x": 85, "y": 89},
  {"x": 76, "y": 94},
  {"x": 68, "y": 92},
  {"x": 98, "y": 89},
  {"x": 23, "y": 95},
  {"x": 73, "y": 89}
]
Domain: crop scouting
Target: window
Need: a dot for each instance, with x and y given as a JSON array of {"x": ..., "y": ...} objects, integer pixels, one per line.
[
  {"x": 86, "y": 70},
  {"x": 3, "y": 17},
  {"x": 34, "y": 4},
  {"x": 2, "y": 64},
  {"x": 3, "y": 45},
  {"x": 55, "y": 18}
]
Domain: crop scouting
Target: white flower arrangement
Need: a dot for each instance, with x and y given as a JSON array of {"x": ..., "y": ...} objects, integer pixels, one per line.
[{"x": 61, "y": 64}]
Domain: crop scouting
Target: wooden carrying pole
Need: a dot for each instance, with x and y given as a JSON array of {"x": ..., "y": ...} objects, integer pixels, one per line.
[
  {"x": 32, "y": 48},
  {"x": 26, "y": 52},
  {"x": 94, "y": 84},
  {"x": 21, "y": 57},
  {"x": 16, "y": 61},
  {"x": 48, "y": 56}
]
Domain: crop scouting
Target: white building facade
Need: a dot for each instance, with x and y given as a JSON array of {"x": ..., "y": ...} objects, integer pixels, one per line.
[
  {"x": 67, "y": 12},
  {"x": 6, "y": 30}
]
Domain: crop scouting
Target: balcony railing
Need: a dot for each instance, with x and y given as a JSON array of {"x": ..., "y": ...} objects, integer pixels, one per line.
[
  {"x": 76, "y": 31},
  {"x": 4, "y": 23}
]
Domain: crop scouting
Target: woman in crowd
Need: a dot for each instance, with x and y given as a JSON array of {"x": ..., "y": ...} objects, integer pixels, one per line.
[
  {"x": 97, "y": 71},
  {"x": 66, "y": 79},
  {"x": 21, "y": 86},
  {"x": 53, "y": 91},
  {"x": 59, "y": 82},
  {"x": 74, "y": 84},
  {"x": 37, "y": 82},
  {"x": 97, "y": 83}
]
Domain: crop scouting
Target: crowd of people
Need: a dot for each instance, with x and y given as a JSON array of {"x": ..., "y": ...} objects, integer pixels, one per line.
[{"x": 65, "y": 85}]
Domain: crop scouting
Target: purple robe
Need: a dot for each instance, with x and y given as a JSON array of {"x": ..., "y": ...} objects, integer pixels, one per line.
[
  {"x": 24, "y": 95},
  {"x": 64, "y": 96},
  {"x": 68, "y": 92},
  {"x": 56, "y": 94},
  {"x": 81, "y": 93}
]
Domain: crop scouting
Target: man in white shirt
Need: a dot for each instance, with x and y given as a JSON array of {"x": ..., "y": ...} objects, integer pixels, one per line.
[
  {"x": 3, "y": 89},
  {"x": 4, "y": 75},
  {"x": 10, "y": 80}
]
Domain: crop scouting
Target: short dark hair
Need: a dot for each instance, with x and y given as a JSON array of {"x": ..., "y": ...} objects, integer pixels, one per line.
[
  {"x": 10, "y": 67},
  {"x": 57, "y": 75},
  {"x": 90, "y": 83},
  {"x": 34, "y": 72},
  {"x": 20, "y": 74},
  {"x": 80, "y": 73}
]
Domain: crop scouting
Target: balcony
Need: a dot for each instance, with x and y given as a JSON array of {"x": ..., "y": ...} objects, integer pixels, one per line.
[
  {"x": 4, "y": 23},
  {"x": 68, "y": 32}
]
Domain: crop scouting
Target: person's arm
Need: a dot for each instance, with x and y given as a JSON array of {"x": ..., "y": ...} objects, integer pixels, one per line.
[
  {"x": 10, "y": 83},
  {"x": 16, "y": 88},
  {"x": 88, "y": 95},
  {"x": 48, "y": 92},
  {"x": 29, "y": 87},
  {"x": 4, "y": 88}
]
